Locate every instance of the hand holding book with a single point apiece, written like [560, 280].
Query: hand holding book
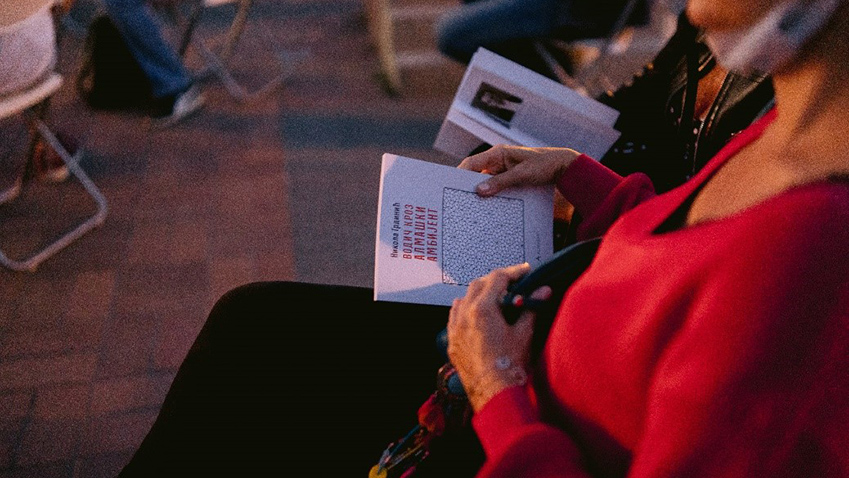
[435, 234]
[517, 166]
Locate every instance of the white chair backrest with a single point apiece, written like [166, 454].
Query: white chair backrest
[13, 11]
[18, 102]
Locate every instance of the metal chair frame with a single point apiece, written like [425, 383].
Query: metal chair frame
[30, 104]
[217, 62]
[595, 70]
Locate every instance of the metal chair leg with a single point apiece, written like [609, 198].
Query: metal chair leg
[236, 29]
[31, 264]
[217, 61]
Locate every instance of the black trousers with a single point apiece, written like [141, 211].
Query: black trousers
[288, 379]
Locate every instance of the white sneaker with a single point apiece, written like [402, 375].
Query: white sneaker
[186, 104]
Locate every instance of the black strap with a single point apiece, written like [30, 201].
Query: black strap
[688, 110]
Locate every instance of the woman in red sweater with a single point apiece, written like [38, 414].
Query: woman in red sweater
[710, 336]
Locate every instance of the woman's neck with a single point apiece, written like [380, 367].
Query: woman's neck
[807, 142]
[812, 97]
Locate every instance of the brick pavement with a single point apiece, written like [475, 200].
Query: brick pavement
[90, 343]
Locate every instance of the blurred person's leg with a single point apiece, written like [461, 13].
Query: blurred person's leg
[289, 377]
[492, 24]
[143, 35]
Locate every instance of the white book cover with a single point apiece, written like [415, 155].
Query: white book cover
[435, 234]
[501, 99]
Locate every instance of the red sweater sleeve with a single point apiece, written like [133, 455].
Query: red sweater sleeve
[518, 444]
[600, 195]
[752, 382]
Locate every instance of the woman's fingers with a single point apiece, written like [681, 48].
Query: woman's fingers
[516, 272]
[491, 160]
[517, 166]
[487, 292]
[494, 185]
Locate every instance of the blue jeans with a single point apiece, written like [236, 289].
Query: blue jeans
[158, 60]
[501, 25]
[491, 22]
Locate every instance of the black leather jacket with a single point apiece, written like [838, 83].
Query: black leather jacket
[659, 137]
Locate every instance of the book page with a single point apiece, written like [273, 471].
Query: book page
[496, 109]
[460, 135]
[541, 86]
[435, 234]
[555, 129]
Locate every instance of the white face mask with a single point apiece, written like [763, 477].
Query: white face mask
[774, 40]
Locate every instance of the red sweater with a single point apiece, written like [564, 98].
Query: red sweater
[716, 350]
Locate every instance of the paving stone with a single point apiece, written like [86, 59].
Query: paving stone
[127, 345]
[160, 287]
[15, 405]
[33, 372]
[101, 466]
[188, 243]
[227, 273]
[40, 308]
[8, 442]
[129, 393]
[16, 345]
[116, 433]
[50, 470]
[49, 441]
[176, 337]
[91, 295]
[62, 403]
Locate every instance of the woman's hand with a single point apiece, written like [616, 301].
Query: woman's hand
[519, 166]
[489, 354]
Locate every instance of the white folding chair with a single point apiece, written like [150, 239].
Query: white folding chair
[216, 62]
[26, 103]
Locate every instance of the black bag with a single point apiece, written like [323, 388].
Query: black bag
[111, 78]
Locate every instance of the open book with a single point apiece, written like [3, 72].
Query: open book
[501, 102]
[435, 234]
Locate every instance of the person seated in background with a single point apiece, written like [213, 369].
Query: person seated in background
[676, 115]
[172, 86]
[27, 56]
[681, 110]
[707, 338]
[510, 27]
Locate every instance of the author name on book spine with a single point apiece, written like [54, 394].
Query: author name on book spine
[415, 233]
